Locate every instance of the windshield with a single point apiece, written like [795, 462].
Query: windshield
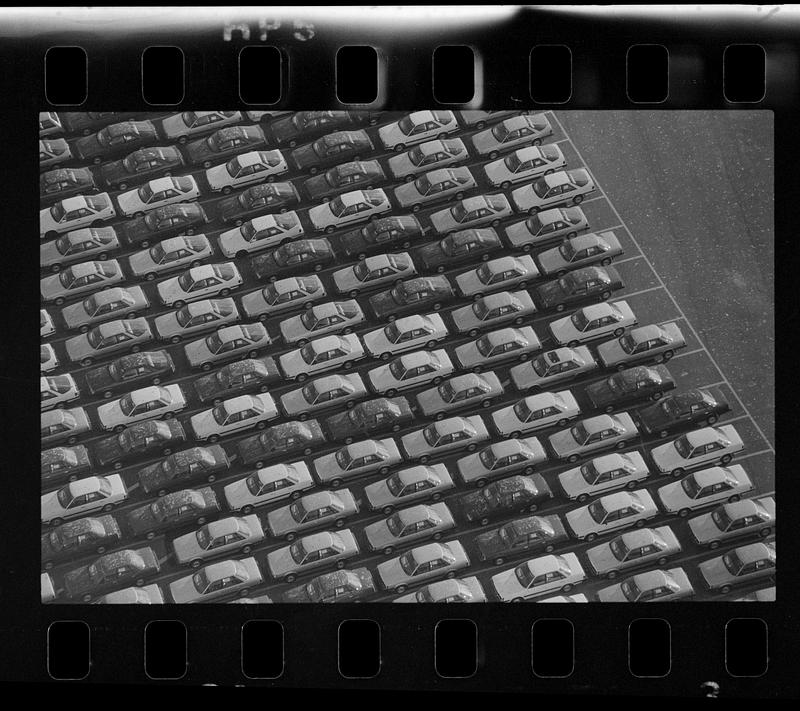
[407, 563]
[396, 369]
[522, 411]
[253, 484]
[500, 132]
[416, 156]
[689, 485]
[627, 343]
[579, 320]
[540, 188]
[618, 548]
[597, 512]
[589, 473]
[682, 447]
[394, 525]
[337, 207]
[203, 539]
[524, 575]
[579, 433]
[343, 458]
[487, 458]
[406, 125]
[512, 162]
[484, 273]
[200, 581]
[186, 281]
[423, 184]
[721, 519]
[539, 366]
[126, 404]
[732, 562]
[307, 353]
[567, 251]
[394, 485]
[447, 392]
[57, 212]
[484, 346]
[630, 590]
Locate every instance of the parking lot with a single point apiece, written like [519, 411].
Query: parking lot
[728, 340]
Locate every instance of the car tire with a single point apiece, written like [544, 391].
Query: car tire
[480, 483]
[532, 508]
[604, 296]
[313, 170]
[87, 361]
[401, 589]
[573, 458]
[505, 185]
[577, 200]
[348, 365]
[657, 395]
[353, 293]
[711, 419]
[341, 564]
[391, 392]
[213, 438]
[590, 537]
[399, 147]
[290, 578]
[582, 498]
[611, 574]
[622, 444]
[336, 483]
[725, 459]
[473, 332]
[87, 598]
[725, 589]
[618, 332]
[472, 447]
[196, 563]
[486, 403]
[533, 210]
[205, 366]
[477, 295]
[424, 459]
[499, 561]
[484, 521]
[477, 368]
[439, 416]
[290, 536]
[119, 428]
[668, 355]
[56, 521]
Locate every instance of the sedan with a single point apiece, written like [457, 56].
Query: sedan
[224, 143]
[65, 463]
[608, 513]
[181, 508]
[457, 248]
[380, 414]
[74, 212]
[79, 279]
[546, 227]
[523, 535]
[308, 124]
[184, 466]
[413, 484]
[283, 295]
[525, 164]
[740, 518]
[653, 342]
[258, 200]
[632, 549]
[195, 318]
[652, 586]
[443, 436]
[410, 370]
[240, 376]
[267, 486]
[262, 232]
[319, 320]
[356, 460]
[229, 342]
[178, 127]
[321, 354]
[493, 309]
[536, 412]
[337, 586]
[246, 169]
[426, 562]
[158, 193]
[412, 295]
[500, 458]
[316, 510]
[417, 127]
[593, 433]
[405, 334]
[536, 577]
[459, 392]
[372, 272]
[638, 383]
[399, 230]
[603, 474]
[74, 539]
[501, 273]
[53, 152]
[49, 123]
[551, 367]
[82, 497]
[170, 254]
[427, 156]
[217, 580]
[78, 245]
[349, 208]
[146, 163]
[410, 525]
[57, 390]
[498, 346]
[704, 488]
[322, 393]
[317, 550]
[281, 440]
[592, 322]
[163, 222]
[565, 186]
[688, 408]
[86, 122]
[61, 183]
[111, 570]
[199, 282]
[224, 536]
[148, 403]
[585, 284]
[109, 338]
[301, 256]
[474, 119]
[151, 437]
[513, 132]
[331, 149]
[433, 186]
[580, 251]
[744, 564]
[114, 140]
[695, 448]
[46, 326]
[64, 425]
[514, 494]
[354, 175]
[450, 590]
[472, 212]
[233, 415]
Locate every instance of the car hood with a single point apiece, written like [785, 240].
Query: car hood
[305, 156]
[550, 293]
[383, 302]
[484, 141]
[563, 442]
[107, 450]
[474, 505]
[714, 572]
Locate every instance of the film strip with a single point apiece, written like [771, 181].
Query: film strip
[468, 304]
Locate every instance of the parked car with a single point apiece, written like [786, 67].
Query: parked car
[57, 391]
[592, 322]
[284, 439]
[115, 303]
[65, 463]
[732, 520]
[142, 438]
[417, 127]
[705, 487]
[356, 460]
[498, 346]
[409, 370]
[226, 343]
[656, 342]
[450, 590]
[695, 406]
[53, 153]
[75, 212]
[60, 183]
[536, 412]
[283, 295]
[368, 418]
[349, 208]
[47, 358]
[82, 497]
[114, 140]
[651, 586]
[302, 256]
[413, 484]
[474, 119]
[550, 367]
[523, 494]
[521, 536]
[136, 369]
[593, 433]
[158, 193]
[169, 255]
[405, 334]
[180, 508]
[472, 212]
[86, 122]
[331, 149]
[632, 549]
[260, 233]
[199, 282]
[695, 448]
[638, 383]
[258, 200]
[444, 435]
[182, 467]
[538, 576]
[195, 318]
[180, 126]
[604, 474]
[585, 284]
[217, 580]
[427, 156]
[318, 509]
[499, 458]
[546, 227]
[322, 319]
[412, 295]
[512, 132]
[608, 513]
[580, 251]
[230, 535]
[80, 279]
[141, 165]
[382, 233]
[372, 272]
[64, 425]
[524, 164]
[561, 188]
[323, 393]
[154, 401]
[233, 415]
[408, 526]
[163, 222]
[267, 486]
[434, 186]
[48, 589]
[745, 564]
[493, 309]
[501, 273]
[235, 378]
[224, 143]
[458, 392]
[111, 570]
[337, 586]
[314, 551]
[301, 125]
[355, 174]
[46, 326]
[320, 355]
[421, 564]
[73, 539]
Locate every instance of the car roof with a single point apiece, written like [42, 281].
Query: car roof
[118, 559]
[511, 484]
[159, 184]
[224, 526]
[381, 260]
[417, 358]
[451, 425]
[84, 268]
[223, 569]
[528, 153]
[330, 308]
[326, 343]
[744, 507]
[512, 123]
[148, 394]
[646, 333]
[618, 500]
[79, 487]
[652, 579]
[320, 499]
[507, 447]
[282, 286]
[439, 175]
[544, 564]
[413, 322]
[184, 496]
[74, 203]
[414, 514]
[239, 403]
[135, 360]
[428, 552]
[503, 263]
[753, 552]
[475, 202]
[229, 333]
[500, 298]
[324, 539]
[703, 436]
[639, 537]
[329, 382]
[605, 462]
[447, 588]
[707, 477]
[600, 422]
[593, 311]
[467, 380]
[502, 335]
[250, 158]
[418, 473]
[89, 524]
[522, 526]
[364, 448]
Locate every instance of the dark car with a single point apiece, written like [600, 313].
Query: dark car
[382, 233]
[60, 463]
[281, 440]
[64, 182]
[141, 165]
[110, 571]
[458, 248]
[129, 372]
[306, 125]
[379, 415]
[355, 175]
[520, 493]
[264, 199]
[683, 409]
[75, 538]
[114, 140]
[141, 438]
[179, 468]
[86, 122]
[638, 383]
[302, 256]
[412, 296]
[525, 535]
[235, 378]
[225, 142]
[331, 149]
[180, 508]
[163, 222]
[575, 287]
[337, 586]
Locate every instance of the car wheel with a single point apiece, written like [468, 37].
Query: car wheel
[514, 435]
[477, 369]
[725, 459]
[296, 495]
[611, 574]
[261, 425]
[56, 521]
[493, 154]
[306, 451]
[336, 483]
[400, 147]
[400, 589]
[196, 563]
[577, 200]
[590, 537]
[533, 210]
[477, 295]
[605, 296]
[733, 499]
[505, 185]
[499, 561]
[341, 564]
[205, 366]
[119, 428]
[424, 459]
[313, 170]
[472, 447]
[725, 589]
[484, 521]
[582, 498]
[303, 416]
[290, 578]
[87, 598]
[549, 548]
[178, 304]
[348, 365]
[135, 349]
[481, 482]
[213, 438]
[572, 458]
[391, 392]
[473, 332]
[161, 492]
[531, 508]
[87, 361]
[290, 536]
[330, 229]
[486, 403]
[246, 510]
[451, 575]
[527, 247]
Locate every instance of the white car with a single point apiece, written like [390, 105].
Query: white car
[82, 497]
[47, 358]
[739, 518]
[324, 392]
[157, 193]
[321, 354]
[80, 279]
[357, 459]
[217, 580]
[434, 185]
[621, 509]
[592, 322]
[500, 273]
[417, 127]
[424, 482]
[329, 509]
[426, 156]
[593, 433]
[451, 590]
[525, 454]
[283, 295]
[321, 319]
[632, 549]
[268, 485]
[695, 448]
[409, 525]
[603, 474]
[233, 415]
[460, 391]
[57, 390]
[74, 212]
[552, 367]
[579, 251]
[578, 597]
[145, 595]
[170, 254]
[231, 535]
[311, 552]
[405, 334]
[246, 169]
[410, 370]
[195, 317]
[77, 246]
[547, 226]
[443, 436]
[493, 309]
[114, 303]
[46, 326]
[261, 232]
[155, 401]
[536, 412]
[512, 132]
[502, 344]
[49, 123]
[348, 209]
[565, 186]
[430, 561]
[374, 271]
[198, 283]
[472, 212]
[192, 123]
[705, 488]
[525, 164]
[549, 573]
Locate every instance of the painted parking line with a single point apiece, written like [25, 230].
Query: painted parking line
[668, 292]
